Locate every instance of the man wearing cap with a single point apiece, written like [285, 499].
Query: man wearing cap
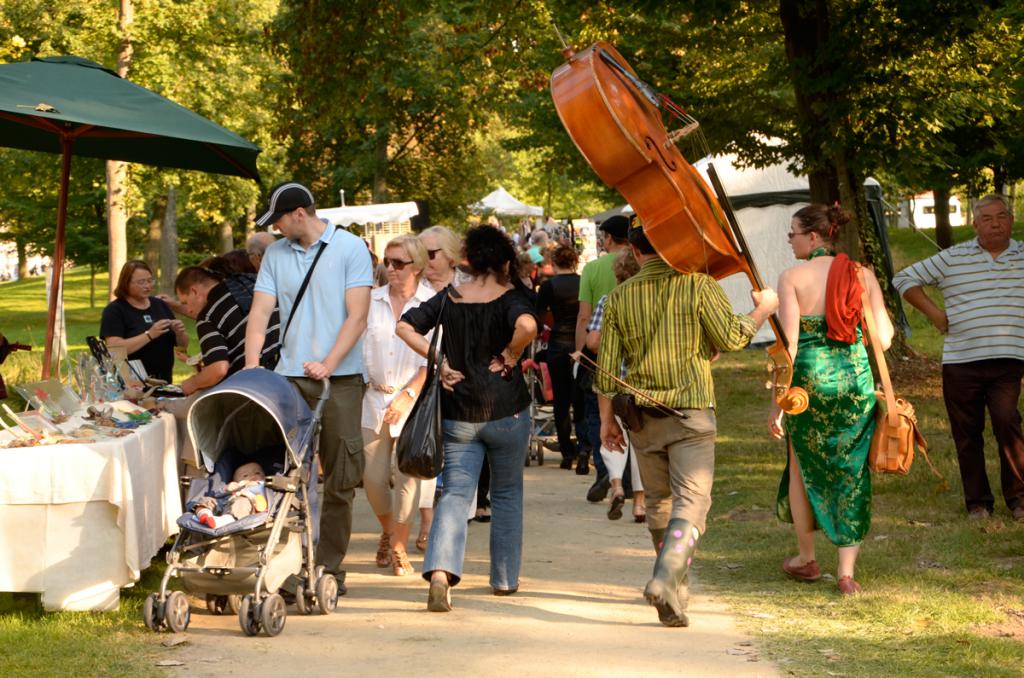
[321, 338]
[597, 280]
[667, 326]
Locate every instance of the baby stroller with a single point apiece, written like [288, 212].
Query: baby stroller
[542, 417]
[253, 416]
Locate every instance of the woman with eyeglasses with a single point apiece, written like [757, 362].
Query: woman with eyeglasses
[444, 249]
[143, 324]
[396, 376]
[826, 482]
[488, 322]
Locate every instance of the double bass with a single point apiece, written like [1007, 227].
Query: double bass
[615, 119]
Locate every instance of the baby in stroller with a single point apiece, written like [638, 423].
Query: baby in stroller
[243, 496]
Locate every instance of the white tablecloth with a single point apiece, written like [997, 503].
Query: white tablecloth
[78, 522]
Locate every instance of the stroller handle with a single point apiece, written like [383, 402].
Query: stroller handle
[325, 392]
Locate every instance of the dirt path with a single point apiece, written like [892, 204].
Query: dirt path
[580, 611]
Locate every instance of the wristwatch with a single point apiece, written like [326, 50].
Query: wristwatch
[411, 391]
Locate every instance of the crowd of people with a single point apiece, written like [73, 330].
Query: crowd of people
[628, 343]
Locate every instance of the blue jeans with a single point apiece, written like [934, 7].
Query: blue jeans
[504, 443]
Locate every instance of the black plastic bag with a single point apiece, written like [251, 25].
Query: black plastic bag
[420, 447]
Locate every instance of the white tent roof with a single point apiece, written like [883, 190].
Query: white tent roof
[369, 214]
[501, 201]
[764, 201]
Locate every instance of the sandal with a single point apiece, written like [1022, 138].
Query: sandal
[809, 571]
[847, 586]
[641, 515]
[400, 564]
[384, 550]
[421, 543]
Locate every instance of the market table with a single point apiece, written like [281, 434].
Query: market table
[80, 521]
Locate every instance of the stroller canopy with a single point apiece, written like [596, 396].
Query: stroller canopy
[250, 410]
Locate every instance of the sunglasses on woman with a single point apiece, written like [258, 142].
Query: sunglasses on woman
[433, 253]
[397, 264]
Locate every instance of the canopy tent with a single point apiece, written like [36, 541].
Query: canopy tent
[501, 202]
[346, 215]
[70, 105]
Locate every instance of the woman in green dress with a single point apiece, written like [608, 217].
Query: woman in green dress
[827, 483]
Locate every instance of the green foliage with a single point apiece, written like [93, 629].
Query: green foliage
[210, 57]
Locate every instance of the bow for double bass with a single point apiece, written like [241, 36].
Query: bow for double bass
[615, 120]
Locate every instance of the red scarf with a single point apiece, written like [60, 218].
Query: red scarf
[843, 305]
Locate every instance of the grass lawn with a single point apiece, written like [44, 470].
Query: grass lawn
[942, 597]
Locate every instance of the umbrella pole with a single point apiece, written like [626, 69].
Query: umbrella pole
[57, 264]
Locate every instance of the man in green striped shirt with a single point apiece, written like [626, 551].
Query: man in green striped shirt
[667, 326]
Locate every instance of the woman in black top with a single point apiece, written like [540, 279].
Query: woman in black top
[487, 323]
[144, 325]
[561, 294]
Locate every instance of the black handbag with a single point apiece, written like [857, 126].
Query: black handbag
[420, 447]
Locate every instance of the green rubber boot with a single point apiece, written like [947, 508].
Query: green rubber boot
[656, 537]
[671, 571]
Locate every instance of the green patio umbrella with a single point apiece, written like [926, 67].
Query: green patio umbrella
[73, 106]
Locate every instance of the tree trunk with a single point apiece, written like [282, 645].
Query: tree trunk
[807, 27]
[156, 222]
[169, 244]
[117, 217]
[999, 178]
[19, 245]
[250, 222]
[380, 170]
[227, 237]
[943, 231]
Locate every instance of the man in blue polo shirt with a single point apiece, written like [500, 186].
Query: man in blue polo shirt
[321, 338]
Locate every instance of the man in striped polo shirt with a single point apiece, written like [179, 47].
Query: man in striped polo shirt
[982, 283]
[220, 306]
[667, 327]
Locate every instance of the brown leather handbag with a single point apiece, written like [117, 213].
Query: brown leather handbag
[896, 434]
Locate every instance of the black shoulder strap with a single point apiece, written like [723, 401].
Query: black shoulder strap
[302, 289]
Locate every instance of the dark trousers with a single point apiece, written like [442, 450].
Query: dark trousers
[968, 389]
[568, 403]
[341, 455]
[593, 422]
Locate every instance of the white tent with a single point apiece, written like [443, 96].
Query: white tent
[384, 213]
[764, 201]
[501, 202]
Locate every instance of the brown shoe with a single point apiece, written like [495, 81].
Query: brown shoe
[979, 513]
[384, 550]
[1018, 513]
[847, 586]
[400, 564]
[807, 572]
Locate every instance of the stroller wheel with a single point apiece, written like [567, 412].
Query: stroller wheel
[302, 604]
[273, 614]
[216, 604]
[234, 603]
[152, 614]
[327, 593]
[540, 453]
[247, 617]
[176, 612]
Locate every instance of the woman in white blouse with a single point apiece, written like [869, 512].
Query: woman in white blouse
[396, 376]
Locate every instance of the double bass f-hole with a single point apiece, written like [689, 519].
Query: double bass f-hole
[653, 145]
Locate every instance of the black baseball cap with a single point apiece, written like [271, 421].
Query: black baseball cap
[616, 226]
[285, 197]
